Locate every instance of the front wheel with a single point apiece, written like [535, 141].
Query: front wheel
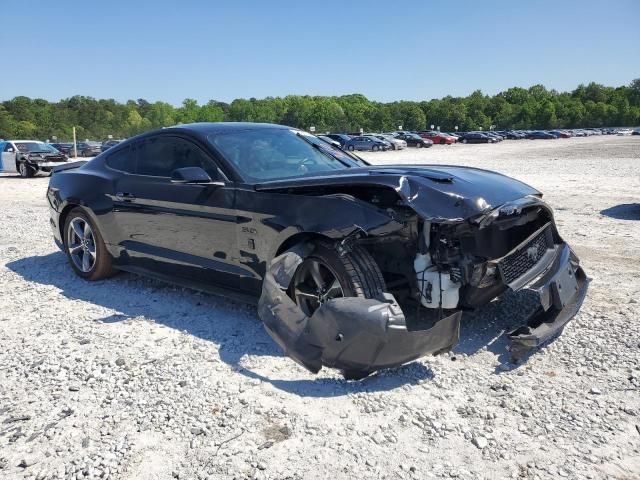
[351, 148]
[375, 148]
[85, 247]
[464, 140]
[25, 170]
[419, 145]
[325, 275]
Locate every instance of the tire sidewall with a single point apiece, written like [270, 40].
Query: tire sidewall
[25, 170]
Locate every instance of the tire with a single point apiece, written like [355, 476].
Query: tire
[25, 170]
[375, 148]
[443, 142]
[101, 266]
[357, 273]
[351, 148]
[464, 140]
[419, 145]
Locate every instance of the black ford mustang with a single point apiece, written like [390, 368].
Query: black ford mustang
[353, 266]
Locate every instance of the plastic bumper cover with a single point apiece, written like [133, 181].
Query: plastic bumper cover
[350, 334]
[560, 290]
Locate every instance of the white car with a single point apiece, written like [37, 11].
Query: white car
[624, 131]
[28, 157]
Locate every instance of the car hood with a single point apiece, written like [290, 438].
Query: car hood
[438, 193]
[42, 155]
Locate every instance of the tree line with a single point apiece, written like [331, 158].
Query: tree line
[537, 107]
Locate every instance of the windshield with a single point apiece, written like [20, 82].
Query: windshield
[32, 147]
[270, 154]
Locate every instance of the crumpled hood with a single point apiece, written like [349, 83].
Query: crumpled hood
[35, 156]
[437, 193]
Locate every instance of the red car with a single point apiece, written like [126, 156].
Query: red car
[438, 137]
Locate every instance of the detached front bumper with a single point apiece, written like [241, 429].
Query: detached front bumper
[351, 334]
[560, 289]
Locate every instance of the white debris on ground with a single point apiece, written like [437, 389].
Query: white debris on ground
[131, 378]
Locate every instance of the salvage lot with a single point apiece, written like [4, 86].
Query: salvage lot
[130, 378]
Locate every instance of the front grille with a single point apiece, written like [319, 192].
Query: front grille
[516, 264]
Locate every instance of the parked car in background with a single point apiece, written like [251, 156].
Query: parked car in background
[438, 138]
[108, 144]
[29, 157]
[561, 133]
[330, 141]
[475, 137]
[87, 149]
[394, 143]
[413, 139]
[366, 143]
[541, 135]
[624, 131]
[341, 138]
[496, 136]
[63, 147]
[636, 132]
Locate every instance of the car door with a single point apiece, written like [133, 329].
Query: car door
[183, 230]
[8, 158]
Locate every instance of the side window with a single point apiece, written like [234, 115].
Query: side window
[122, 160]
[159, 156]
[8, 147]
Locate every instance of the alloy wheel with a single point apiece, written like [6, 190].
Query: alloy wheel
[314, 284]
[81, 244]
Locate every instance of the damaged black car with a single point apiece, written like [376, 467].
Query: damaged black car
[353, 266]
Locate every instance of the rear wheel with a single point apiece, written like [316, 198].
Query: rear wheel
[85, 247]
[464, 140]
[419, 144]
[375, 148]
[351, 148]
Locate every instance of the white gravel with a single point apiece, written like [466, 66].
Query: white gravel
[131, 378]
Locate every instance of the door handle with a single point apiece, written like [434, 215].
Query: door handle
[125, 197]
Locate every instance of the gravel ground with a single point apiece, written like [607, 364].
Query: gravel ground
[131, 378]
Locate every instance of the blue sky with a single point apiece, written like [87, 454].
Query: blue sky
[387, 50]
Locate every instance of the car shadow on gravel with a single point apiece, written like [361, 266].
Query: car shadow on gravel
[624, 211]
[232, 326]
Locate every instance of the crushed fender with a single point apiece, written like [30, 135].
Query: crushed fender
[350, 334]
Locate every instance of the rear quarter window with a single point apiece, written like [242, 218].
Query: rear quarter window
[122, 160]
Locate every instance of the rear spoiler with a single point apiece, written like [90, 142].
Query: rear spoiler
[69, 166]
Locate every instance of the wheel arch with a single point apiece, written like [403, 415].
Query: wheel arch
[297, 238]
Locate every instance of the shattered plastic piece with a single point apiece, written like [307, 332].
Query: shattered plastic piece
[348, 333]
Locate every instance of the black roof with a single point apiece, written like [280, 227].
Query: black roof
[208, 128]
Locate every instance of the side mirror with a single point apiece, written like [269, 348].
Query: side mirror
[10, 150]
[191, 175]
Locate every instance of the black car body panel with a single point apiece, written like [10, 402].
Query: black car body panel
[245, 239]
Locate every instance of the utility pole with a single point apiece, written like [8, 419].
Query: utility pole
[75, 145]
